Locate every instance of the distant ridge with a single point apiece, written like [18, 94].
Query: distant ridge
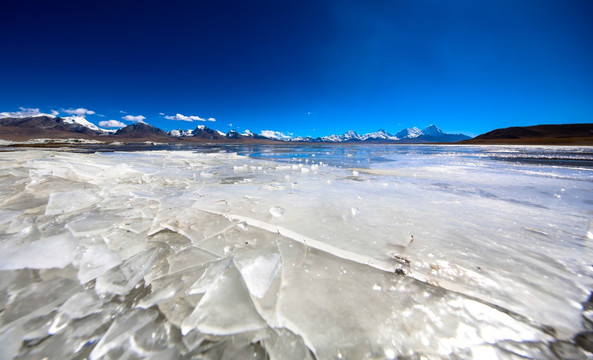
[53, 127]
[410, 135]
[50, 123]
[564, 134]
[48, 126]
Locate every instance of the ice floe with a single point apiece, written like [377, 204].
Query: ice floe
[361, 252]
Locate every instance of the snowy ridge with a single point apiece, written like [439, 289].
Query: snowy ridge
[181, 133]
[81, 120]
[430, 133]
[382, 135]
[410, 133]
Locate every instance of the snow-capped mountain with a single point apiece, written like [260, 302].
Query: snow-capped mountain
[410, 133]
[33, 117]
[80, 125]
[432, 130]
[181, 133]
[49, 122]
[80, 120]
[429, 134]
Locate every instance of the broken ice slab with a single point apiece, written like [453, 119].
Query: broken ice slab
[29, 203]
[225, 309]
[125, 243]
[38, 299]
[189, 257]
[136, 225]
[121, 279]
[122, 329]
[214, 270]
[54, 251]
[92, 224]
[153, 337]
[284, 345]
[165, 291]
[8, 215]
[193, 339]
[374, 312]
[259, 272]
[81, 304]
[95, 261]
[10, 342]
[37, 327]
[190, 222]
[69, 201]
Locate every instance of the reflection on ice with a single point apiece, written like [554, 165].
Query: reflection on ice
[297, 252]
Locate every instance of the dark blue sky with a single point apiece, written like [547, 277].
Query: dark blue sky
[308, 67]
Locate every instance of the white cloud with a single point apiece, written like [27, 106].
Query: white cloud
[137, 118]
[26, 112]
[162, 114]
[55, 112]
[123, 112]
[112, 124]
[78, 112]
[231, 125]
[181, 117]
[211, 119]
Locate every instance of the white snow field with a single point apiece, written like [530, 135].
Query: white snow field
[297, 252]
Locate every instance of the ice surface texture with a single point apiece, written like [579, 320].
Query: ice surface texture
[387, 252]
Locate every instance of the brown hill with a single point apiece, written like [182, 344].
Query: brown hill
[43, 127]
[566, 134]
[142, 131]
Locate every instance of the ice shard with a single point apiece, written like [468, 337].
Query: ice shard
[226, 308]
[68, 201]
[259, 272]
[121, 279]
[54, 251]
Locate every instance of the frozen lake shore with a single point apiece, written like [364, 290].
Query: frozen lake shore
[295, 252]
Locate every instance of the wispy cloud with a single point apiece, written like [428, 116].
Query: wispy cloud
[78, 112]
[181, 117]
[26, 112]
[162, 114]
[112, 124]
[135, 118]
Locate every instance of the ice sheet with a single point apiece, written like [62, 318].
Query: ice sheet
[297, 252]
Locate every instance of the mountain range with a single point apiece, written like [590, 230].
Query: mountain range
[77, 126]
[53, 127]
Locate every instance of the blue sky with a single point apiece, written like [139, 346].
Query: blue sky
[307, 67]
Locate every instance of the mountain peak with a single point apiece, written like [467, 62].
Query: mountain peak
[432, 130]
[140, 130]
[409, 133]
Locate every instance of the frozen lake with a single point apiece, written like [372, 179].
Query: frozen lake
[297, 252]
